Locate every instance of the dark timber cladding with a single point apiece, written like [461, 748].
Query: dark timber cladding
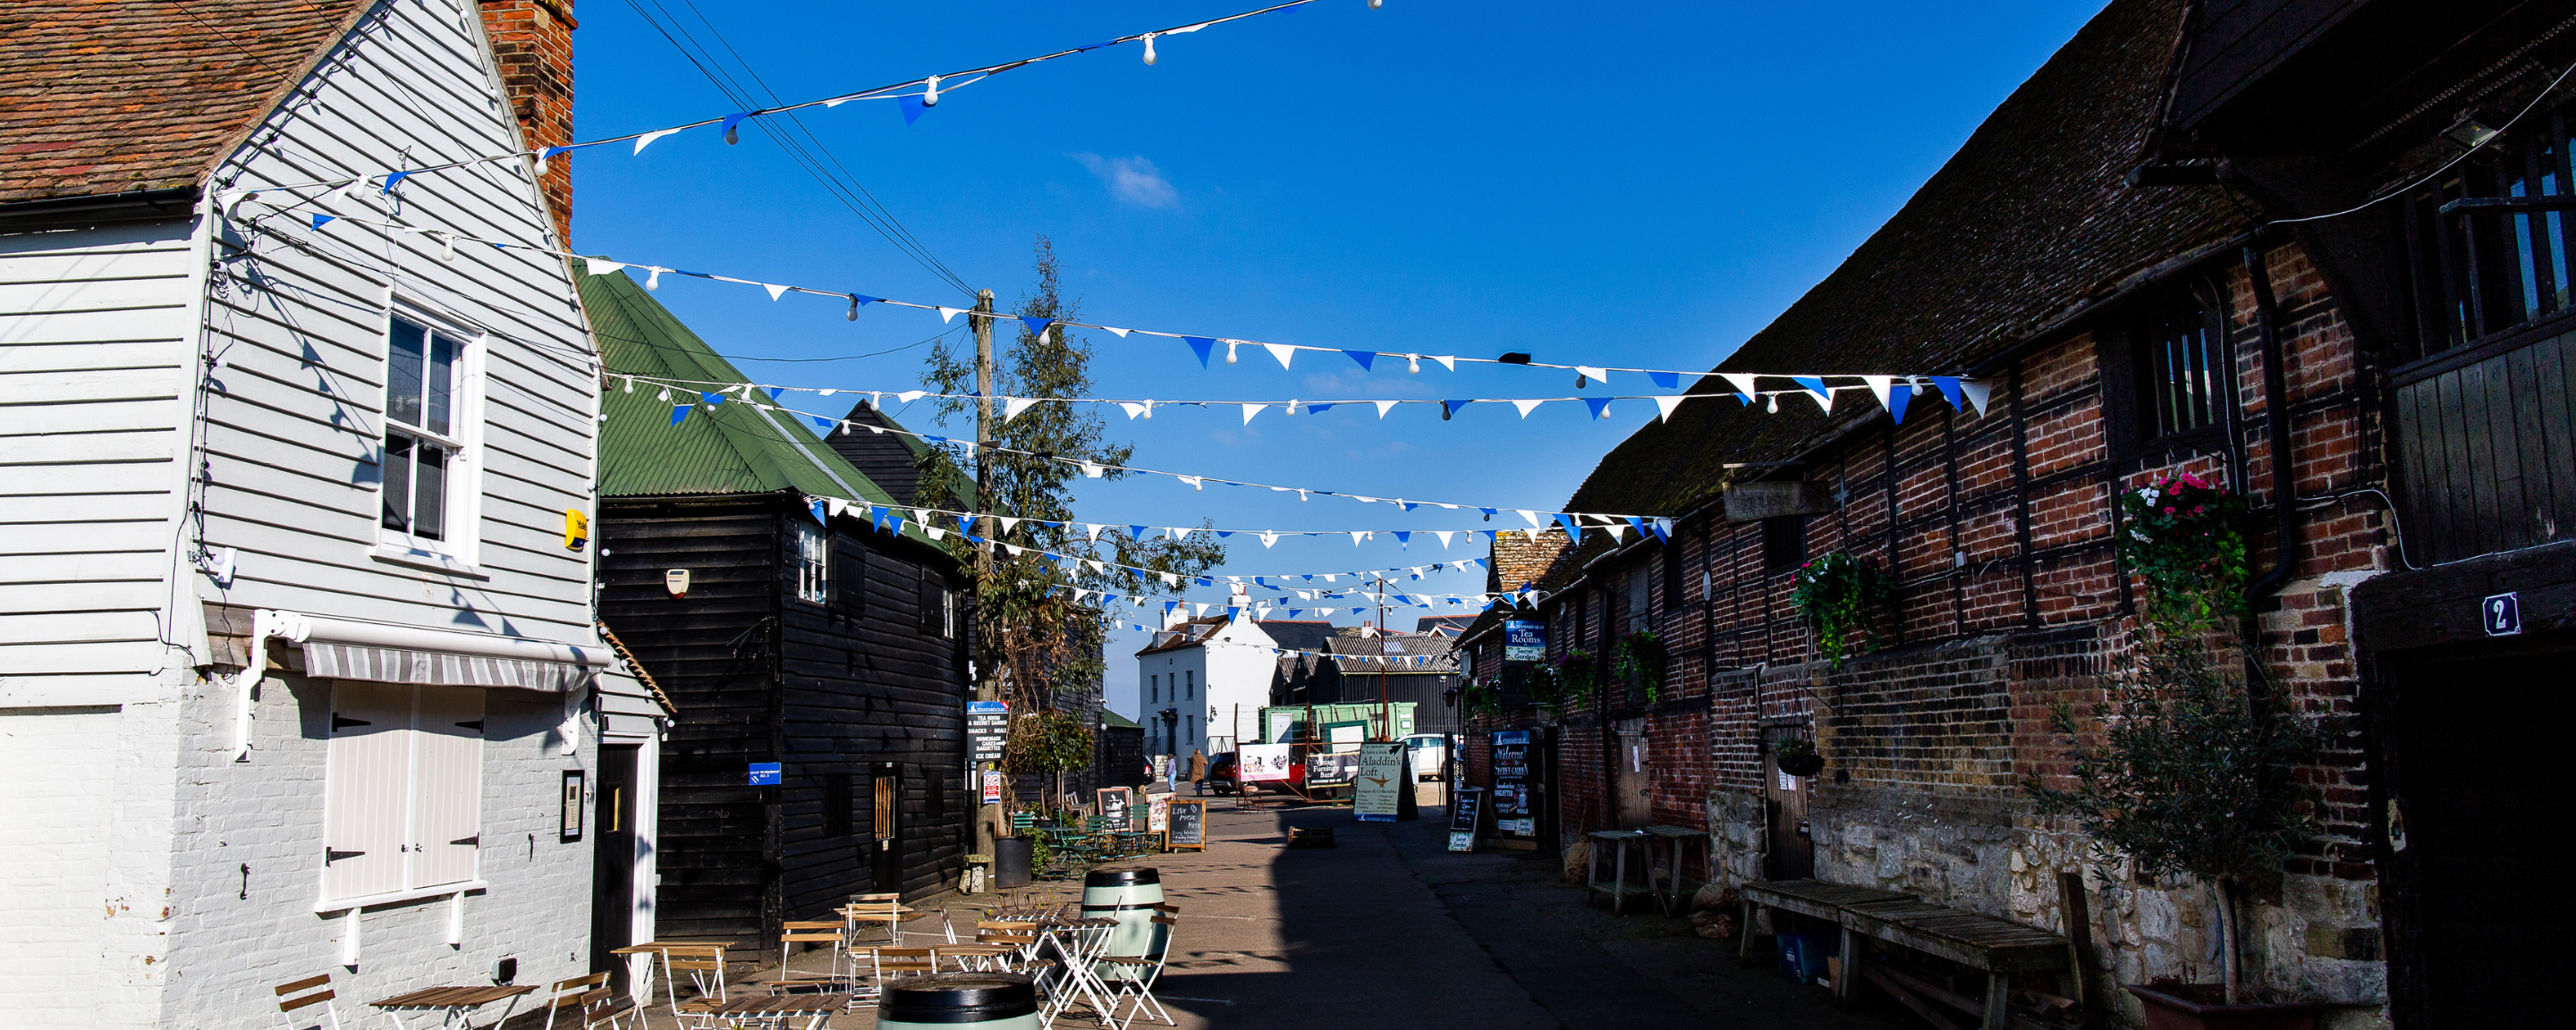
[819, 641]
[833, 692]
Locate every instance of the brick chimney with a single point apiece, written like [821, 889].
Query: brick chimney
[533, 40]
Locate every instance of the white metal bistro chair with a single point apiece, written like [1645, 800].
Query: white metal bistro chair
[1078, 944]
[703, 966]
[320, 986]
[591, 1001]
[1147, 969]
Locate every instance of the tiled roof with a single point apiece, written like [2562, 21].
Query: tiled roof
[1352, 654]
[106, 97]
[1192, 633]
[1298, 634]
[2030, 219]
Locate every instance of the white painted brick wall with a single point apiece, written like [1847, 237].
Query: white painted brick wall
[227, 953]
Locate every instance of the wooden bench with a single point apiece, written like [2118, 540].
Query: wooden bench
[1813, 898]
[1998, 947]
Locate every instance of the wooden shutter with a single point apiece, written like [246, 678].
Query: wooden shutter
[366, 788]
[447, 786]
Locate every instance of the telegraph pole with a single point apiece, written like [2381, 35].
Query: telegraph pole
[988, 683]
[1385, 714]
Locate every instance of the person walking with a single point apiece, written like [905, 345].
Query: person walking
[1198, 772]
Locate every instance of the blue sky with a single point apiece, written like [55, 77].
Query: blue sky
[1637, 184]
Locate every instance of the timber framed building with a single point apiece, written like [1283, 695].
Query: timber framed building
[2112, 251]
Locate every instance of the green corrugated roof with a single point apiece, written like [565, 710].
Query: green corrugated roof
[1116, 721]
[734, 448]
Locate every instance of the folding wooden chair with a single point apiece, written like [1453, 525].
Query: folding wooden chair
[1023, 936]
[320, 986]
[832, 933]
[593, 1003]
[703, 966]
[896, 963]
[1149, 969]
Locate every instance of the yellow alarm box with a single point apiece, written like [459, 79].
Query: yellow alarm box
[576, 529]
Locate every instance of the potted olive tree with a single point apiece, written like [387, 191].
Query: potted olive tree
[2190, 770]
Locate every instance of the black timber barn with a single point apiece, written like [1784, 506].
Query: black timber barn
[807, 635]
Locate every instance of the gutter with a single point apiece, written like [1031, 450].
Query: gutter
[99, 208]
[2276, 425]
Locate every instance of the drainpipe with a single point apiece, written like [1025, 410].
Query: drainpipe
[2276, 424]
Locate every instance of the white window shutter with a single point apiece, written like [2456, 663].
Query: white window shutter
[366, 788]
[447, 786]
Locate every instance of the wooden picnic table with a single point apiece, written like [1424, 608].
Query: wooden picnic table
[449, 1002]
[1675, 839]
[1618, 843]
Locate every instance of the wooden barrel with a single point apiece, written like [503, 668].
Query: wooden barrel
[948, 1001]
[1128, 896]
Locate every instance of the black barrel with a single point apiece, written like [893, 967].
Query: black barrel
[1010, 862]
[997, 1001]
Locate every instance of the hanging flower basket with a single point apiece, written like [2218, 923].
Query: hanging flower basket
[1797, 757]
[1839, 594]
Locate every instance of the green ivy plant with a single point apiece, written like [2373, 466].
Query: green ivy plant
[1641, 655]
[1574, 674]
[1542, 683]
[1838, 593]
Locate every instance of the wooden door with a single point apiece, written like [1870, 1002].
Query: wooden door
[612, 867]
[887, 825]
[2476, 836]
[1631, 785]
[1792, 854]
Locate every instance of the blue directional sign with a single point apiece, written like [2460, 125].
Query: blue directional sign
[764, 774]
[2502, 614]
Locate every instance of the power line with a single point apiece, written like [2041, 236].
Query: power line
[841, 185]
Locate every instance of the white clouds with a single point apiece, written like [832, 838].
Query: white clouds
[1134, 180]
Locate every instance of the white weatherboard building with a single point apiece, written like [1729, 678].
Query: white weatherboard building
[297, 669]
[1201, 685]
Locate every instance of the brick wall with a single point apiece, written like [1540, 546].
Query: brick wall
[229, 950]
[532, 39]
[1997, 524]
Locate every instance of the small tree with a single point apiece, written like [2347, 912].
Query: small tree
[1048, 742]
[2193, 769]
[1031, 637]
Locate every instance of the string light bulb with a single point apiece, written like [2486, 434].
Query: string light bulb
[1375, 4]
[630, 384]
[1229, 352]
[930, 96]
[1149, 48]
[853, 316]
[1413, 364]
[1774, 406]
[653, 281]
[447, 246]
[1581, 381]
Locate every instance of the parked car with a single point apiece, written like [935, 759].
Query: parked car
[1220, 774]
[1429, 755]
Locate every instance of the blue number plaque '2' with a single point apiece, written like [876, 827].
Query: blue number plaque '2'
[2502, 614]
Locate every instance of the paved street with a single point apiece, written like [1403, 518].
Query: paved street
[1391, 927]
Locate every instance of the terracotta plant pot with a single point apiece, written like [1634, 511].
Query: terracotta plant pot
[2198, 1007]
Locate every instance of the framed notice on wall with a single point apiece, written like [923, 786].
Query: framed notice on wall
[572, 803]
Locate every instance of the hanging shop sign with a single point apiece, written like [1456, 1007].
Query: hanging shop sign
[1524, 641]
[988, 725]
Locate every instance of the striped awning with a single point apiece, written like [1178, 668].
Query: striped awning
[390, 653]
[448, 668]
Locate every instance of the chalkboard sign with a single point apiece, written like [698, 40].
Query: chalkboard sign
[1113, 807]
[1466, 809]
[1511, 757]
[1189, 826]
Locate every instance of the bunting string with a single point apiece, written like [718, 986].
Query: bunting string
[913, 97]
[1573, 522]
[1964, 394]
[1961, 392]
